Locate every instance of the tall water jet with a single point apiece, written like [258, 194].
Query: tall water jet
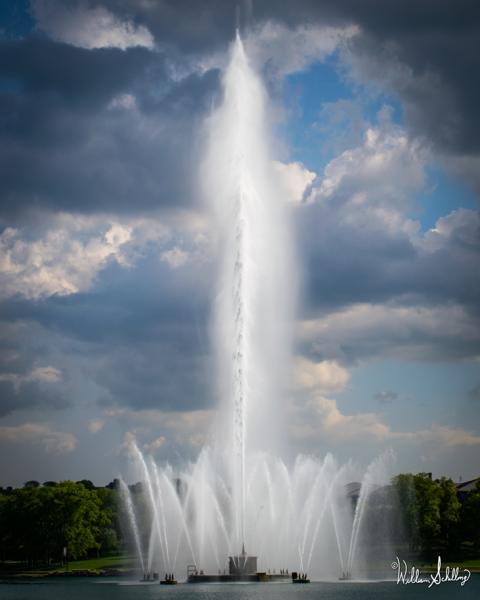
[252, 307]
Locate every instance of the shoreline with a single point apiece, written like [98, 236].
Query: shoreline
[25, 576]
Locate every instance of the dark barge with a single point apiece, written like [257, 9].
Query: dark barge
[241, 569]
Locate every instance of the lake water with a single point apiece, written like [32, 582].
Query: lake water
[101, 589]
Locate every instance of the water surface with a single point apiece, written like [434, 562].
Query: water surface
[102, 589]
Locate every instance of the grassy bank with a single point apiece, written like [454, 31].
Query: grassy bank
[473, 565]
[96, 564]
[99, 566]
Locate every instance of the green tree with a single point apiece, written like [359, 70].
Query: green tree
[89, 485]
[428, 506]
[406, 517]
[79, 518]
[109, 534]
[419, 500]
[450, 535]
[26, 524]
[470, 517]
[37, 522]
[3, 527]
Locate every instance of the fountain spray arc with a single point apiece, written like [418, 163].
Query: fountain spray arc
[256, 283]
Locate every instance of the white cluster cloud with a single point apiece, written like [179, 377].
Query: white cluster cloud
[317, 418]
[96, 425]
[128, 442]
[175, 257]
[155, 444]
[89, 26]
[64, 261]
[38, 374]
[46, 374]
[288, 50]
[283, 50]
[391, 330]
[323, 375]
[340, 426]
[461, 225]
[67, 258]
[54, 442]
[322, 417]
[123, 102]
[375, 180]
[296, 179]
[448, 436]
[187, 429]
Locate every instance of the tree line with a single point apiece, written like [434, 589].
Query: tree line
[432, 518]
[57, 522]
[50, 523]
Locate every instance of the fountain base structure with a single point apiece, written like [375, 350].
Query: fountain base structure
[241, 568]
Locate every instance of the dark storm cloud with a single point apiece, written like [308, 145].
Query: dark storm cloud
[474, 393]
[425, 52]
[437, 40]
[371, 264]
[161, 357]
[363, 268]
[28, 396]
[20, 388]
[81, 78]
[156, 375]
[63, 147]
[66, 145]
[430, 66]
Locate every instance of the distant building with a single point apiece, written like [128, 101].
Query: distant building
[352, 491]
[465, 487]
[242, 564]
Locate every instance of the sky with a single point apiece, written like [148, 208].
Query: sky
[107, 258]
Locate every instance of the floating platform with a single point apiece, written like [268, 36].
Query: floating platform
[241, 569]
[236, 578]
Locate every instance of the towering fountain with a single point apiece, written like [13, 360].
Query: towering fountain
[239, 494]
[255, 280]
